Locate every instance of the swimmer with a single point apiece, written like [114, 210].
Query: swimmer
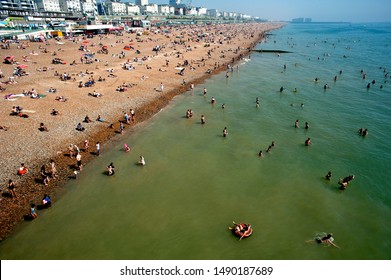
[141, 161]
[345, 181]
[225, 132]
[213, 101]
[297, 123]
[326, 239]
[307, 142]
[306, 125]
[202, 119]
[127, 149]
[328, 175]
[223, 106]
[110, 169]
[260, 154]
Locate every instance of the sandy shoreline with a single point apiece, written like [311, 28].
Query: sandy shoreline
[205, 48]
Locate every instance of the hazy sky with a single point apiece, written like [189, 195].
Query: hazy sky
[318, 10]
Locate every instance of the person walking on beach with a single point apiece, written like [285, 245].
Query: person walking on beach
[11, 188]
[86, 145]
[33, 213]
[97, 148]
[205, 90]
[133, 115]
[53, 169]
[78, 160]
[121, 127]
[71, 150]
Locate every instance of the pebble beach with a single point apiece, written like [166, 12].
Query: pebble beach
[132, 75]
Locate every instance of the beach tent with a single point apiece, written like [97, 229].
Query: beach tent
[22, 66]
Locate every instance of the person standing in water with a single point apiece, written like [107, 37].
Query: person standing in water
[225, 132]
[203, 119]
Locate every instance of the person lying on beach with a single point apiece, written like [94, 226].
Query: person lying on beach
[95, 94]
[61, 98]
[46, 201]
[3, 127]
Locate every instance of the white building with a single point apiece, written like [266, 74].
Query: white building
[213, 13]
[164, 9]
[89, 7]
[116, 8]
[27, 5]
[133, 9]
[202, 11]
[149, 9]
[73, 6]
[48, 5]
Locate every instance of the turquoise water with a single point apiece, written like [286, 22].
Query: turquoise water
[196, 182]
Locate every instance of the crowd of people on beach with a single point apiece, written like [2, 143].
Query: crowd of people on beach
[174, 49]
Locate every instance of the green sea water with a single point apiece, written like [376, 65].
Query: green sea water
[196, 182]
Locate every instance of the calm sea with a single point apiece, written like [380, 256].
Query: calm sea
[196, 182]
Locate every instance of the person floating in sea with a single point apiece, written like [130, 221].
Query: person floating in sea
[345, 181]
[363, 131]
[110, 169]
[324, 238]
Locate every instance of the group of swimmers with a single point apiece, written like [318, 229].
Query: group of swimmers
[260, 153]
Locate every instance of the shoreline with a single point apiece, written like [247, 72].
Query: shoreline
[29, 187]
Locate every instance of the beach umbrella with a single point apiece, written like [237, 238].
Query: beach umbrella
[85, 42]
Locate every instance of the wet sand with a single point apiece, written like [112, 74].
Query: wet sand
[207, 49]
